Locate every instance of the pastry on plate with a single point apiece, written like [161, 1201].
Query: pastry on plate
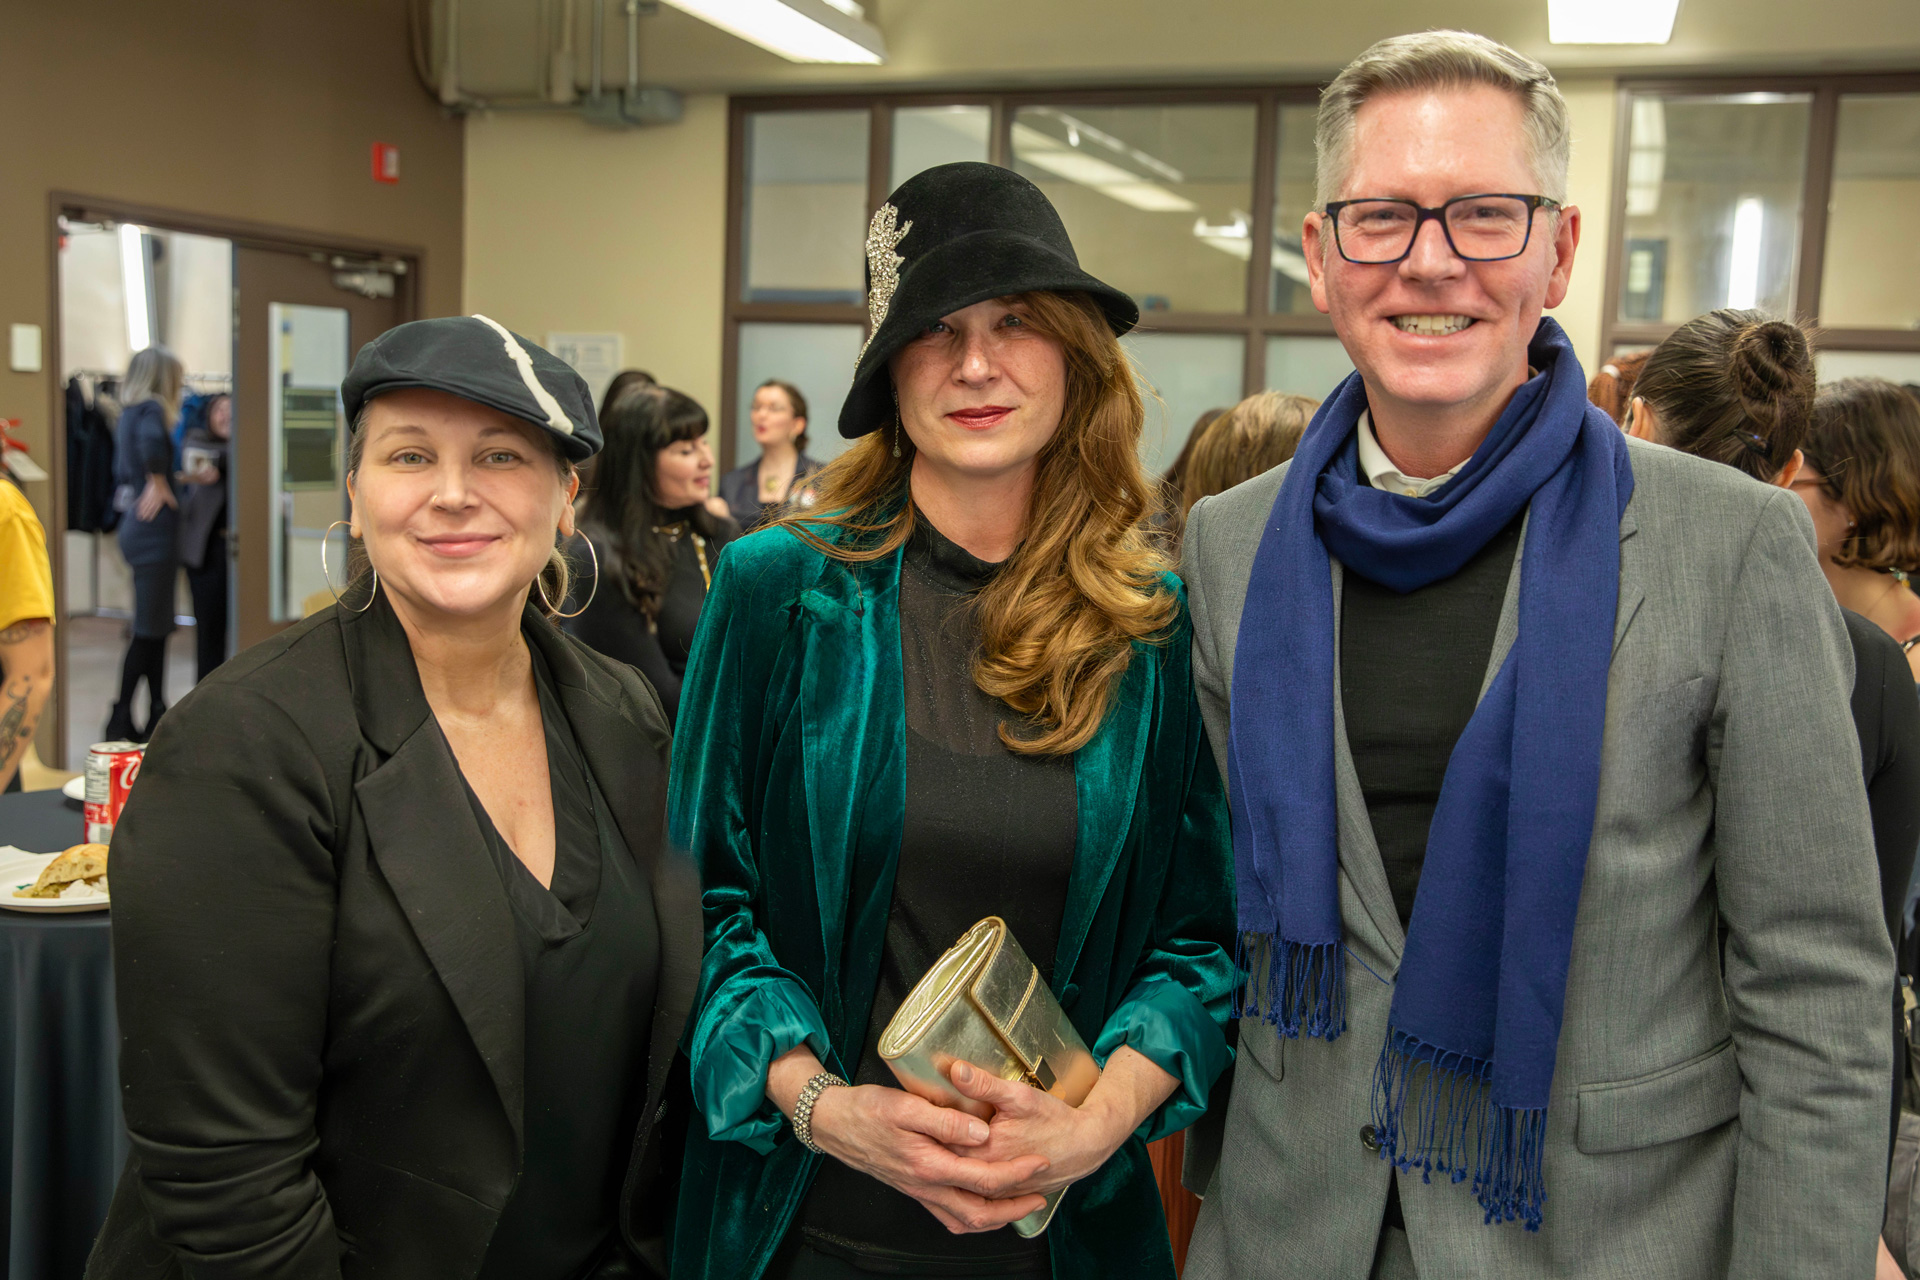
[84, 864]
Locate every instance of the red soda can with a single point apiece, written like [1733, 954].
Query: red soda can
[111, 770]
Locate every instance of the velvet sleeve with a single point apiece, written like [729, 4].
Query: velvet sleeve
[749, 1010]
[1177, 1007]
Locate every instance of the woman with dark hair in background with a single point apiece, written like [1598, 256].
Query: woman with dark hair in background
[621, 381]
[764, 488]
[203, 528]
[654, 534]
[1737, 387]
[1862, 484]
[149, 529]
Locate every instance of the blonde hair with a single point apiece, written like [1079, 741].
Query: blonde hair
[1442, 60]
[1059, 621]
[155, 373]
[1252, 438]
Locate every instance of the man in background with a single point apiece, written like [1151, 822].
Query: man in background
[26, 629]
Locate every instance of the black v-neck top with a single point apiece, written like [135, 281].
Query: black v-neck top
[590, 949]
[986, 832]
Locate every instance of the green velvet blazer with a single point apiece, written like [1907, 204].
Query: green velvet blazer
[789, 787]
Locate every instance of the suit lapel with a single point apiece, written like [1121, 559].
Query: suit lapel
[430, 849]
[852, 708]
[1632, 581]
[1116, 754]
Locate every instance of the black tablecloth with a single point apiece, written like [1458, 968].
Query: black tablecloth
[62, 1141]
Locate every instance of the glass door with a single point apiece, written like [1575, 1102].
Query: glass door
[297, 332]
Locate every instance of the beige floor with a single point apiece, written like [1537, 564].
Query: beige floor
[95, 648]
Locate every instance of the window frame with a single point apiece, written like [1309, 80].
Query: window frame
[1823, 129]
[1255, 323]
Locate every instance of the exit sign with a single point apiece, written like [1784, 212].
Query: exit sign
[386, 162]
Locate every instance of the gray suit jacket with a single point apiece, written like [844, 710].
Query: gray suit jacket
[1709, 1117]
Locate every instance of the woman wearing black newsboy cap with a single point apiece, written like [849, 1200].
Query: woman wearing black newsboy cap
[958, 686]
[401, 959]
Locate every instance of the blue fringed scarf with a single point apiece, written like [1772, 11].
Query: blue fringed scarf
[1464, 1078]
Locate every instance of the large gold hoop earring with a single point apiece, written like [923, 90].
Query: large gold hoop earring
[326, 575]
[541, 587]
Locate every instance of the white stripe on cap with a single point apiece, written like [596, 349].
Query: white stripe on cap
[556, 416]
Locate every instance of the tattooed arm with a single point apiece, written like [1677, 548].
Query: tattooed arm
[26, 681]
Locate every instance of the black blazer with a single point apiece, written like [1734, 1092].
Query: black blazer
[740, 490]
[319, 989]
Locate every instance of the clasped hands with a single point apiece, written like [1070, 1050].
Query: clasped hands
[979, 1175]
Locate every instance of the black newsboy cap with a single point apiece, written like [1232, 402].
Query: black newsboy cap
[949, 237]
[480, 360]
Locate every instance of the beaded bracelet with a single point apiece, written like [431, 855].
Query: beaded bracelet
[803, 1108]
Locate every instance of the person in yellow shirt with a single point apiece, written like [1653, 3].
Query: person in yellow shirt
[26, 629]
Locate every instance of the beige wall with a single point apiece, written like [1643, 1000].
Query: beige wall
[572, 227]
[1591, 105]
[228, 109]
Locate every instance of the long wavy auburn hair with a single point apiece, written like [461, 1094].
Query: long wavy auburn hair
[1058, 623]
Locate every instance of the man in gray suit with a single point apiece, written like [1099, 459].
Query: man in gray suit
[1554, 865]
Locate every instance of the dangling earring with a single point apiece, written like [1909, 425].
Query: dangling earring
[541, 587]
[327, 576]
[896, 434]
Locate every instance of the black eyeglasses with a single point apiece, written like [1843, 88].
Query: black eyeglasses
[1479, 228]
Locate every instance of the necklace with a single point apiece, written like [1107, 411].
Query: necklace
[673, 532]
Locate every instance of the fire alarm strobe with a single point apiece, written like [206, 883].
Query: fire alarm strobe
[386, 162]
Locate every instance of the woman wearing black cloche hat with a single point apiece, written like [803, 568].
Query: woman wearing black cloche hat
[957, 687]
[401, 957]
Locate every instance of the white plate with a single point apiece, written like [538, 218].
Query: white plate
[75, 788]
[20, 869]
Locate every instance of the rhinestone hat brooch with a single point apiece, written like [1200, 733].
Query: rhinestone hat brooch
[883, 268]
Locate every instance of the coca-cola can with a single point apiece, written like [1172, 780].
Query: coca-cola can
[111, 770]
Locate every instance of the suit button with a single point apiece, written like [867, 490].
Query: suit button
[1368, 1138]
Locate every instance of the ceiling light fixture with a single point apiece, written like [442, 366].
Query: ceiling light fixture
[133, 283]
[797, 30]
[1617, 22]
[1056, 157]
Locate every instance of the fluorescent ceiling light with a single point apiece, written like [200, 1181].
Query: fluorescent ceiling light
[133, 283]
[1743, 259]
[797, 30]
[1616, 22]
[1061, 160]
[1236, 238]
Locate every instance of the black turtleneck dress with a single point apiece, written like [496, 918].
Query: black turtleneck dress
[986, 832]
[657, 648]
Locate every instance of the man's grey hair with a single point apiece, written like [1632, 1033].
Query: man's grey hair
[1442, 60]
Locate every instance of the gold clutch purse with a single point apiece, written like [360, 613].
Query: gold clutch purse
[983, 1002]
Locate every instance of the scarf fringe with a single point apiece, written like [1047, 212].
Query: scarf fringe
[1454, 1128]
[1304, 984]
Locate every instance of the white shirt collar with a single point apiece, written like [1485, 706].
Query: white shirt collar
[1382, 474]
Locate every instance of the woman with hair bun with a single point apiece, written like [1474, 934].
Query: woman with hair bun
[960, 686]
[654, 536]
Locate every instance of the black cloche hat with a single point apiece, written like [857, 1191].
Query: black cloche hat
[949, 237]
[480, 360]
